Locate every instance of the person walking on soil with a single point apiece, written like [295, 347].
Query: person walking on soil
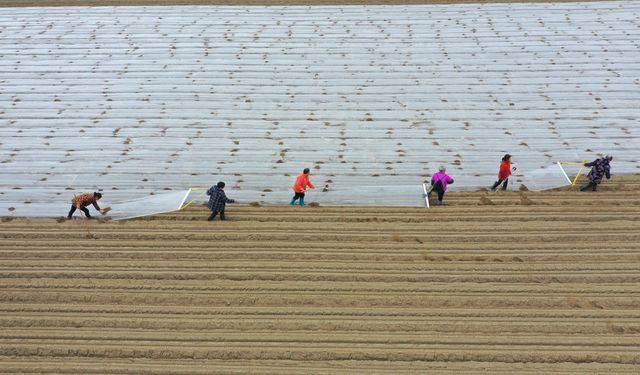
[504, 173]
[217, 200]
[300, 187]
[599, 168]
[82, 201]
[439, 183]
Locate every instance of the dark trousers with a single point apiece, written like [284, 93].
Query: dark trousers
[214, 213]
[296, 196]
[593, 185]
[504, 184]
[438, 189]
[83, 209]
[440, 195]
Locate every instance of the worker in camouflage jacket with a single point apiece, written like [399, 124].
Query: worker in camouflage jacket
[217, 200]
[599, 168]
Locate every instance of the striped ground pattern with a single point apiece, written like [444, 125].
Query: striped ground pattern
[513, 283]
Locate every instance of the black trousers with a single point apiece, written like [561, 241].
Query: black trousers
[592, 185]
[214, 213]
[504, 184]
[297, 195]
[83, 209]
[438, 189]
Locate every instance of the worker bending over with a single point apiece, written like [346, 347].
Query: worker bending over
[82, 201]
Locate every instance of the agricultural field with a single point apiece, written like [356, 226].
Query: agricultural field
[514, 282]
[141, 101]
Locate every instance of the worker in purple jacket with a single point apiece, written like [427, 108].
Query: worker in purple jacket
[439, 183]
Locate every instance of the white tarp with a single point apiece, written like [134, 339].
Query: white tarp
[149, 205]
[550, 177]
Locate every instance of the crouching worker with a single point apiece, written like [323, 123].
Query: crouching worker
[300, 187]
[599, 168]
[439, 183]
[217, 200]
[82, 201]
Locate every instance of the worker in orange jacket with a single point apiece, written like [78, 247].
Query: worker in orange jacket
[300, 187]
[504, 173]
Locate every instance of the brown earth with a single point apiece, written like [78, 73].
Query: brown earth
[533, 283]
[50, 3]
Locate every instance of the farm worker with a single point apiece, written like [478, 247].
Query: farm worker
[217, 200]
[599, 168]
[82, 201]
[439, 183]
[300, 187]
[504, 173]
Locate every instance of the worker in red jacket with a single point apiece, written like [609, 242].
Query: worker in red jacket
[300, 187]
[504, 173]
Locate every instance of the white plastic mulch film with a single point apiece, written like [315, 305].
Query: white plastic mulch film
[147, 206]
[373, 112]
[551, 177]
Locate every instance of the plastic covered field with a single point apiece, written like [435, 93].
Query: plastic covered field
[137, 100]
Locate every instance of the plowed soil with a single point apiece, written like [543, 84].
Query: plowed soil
[514, 282]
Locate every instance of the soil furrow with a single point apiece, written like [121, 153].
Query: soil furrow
[543, 288]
